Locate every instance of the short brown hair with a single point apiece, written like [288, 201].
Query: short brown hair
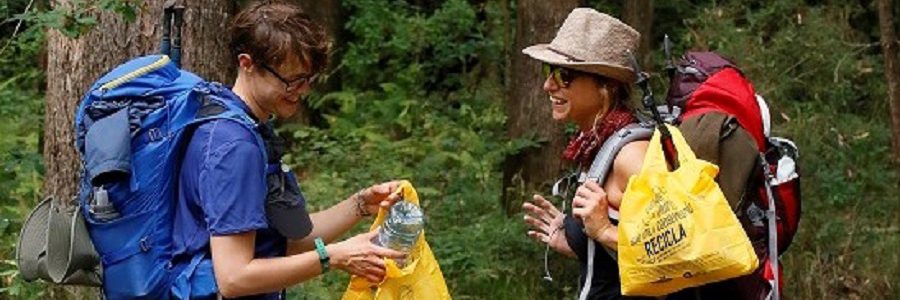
[269, 31]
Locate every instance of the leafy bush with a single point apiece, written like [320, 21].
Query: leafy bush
[420, 99]
[21, 166]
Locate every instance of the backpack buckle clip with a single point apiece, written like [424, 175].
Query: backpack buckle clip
[145, 246]
[154, 134]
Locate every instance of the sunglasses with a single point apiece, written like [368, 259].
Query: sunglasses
[563, 76]
[292, 85]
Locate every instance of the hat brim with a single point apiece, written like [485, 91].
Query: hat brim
[543, 53]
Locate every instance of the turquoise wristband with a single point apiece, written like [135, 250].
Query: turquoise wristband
[323, 255]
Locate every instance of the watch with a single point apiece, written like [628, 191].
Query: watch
[323, 255]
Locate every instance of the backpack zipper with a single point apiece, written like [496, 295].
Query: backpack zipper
[162, 61]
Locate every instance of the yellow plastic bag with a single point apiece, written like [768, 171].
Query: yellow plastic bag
[421, 278]
[676, 229]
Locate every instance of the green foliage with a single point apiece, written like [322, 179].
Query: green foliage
[420, 100]
[420, 97]
[21, 167]
[71, 20]
[790, 57]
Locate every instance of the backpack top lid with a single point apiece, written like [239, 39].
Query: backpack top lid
[706, 81]
[144, 76]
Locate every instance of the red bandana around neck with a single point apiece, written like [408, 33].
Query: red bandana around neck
[583, 147]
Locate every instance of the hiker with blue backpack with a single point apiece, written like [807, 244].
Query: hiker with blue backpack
[222, 206]
[184, 193]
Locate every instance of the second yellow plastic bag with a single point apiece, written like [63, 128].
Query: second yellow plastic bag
[676, 229]
[421, 278]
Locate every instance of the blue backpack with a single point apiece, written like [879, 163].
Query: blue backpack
[132, 128]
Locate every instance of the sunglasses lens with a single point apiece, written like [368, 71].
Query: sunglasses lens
[560, 78]
[564, 76]
[561, 75]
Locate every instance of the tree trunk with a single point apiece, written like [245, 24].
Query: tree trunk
[327, 13]
[532, 170]
[639, 15]
[205, 44]
[73, 64]
[891, 70]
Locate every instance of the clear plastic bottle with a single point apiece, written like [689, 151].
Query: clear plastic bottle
[101, 209]
[401, 228]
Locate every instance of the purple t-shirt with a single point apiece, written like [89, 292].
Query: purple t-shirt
[221, 191]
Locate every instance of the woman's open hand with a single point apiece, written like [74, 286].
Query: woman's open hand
[546, 224]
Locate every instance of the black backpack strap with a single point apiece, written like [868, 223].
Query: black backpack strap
[275, 145]
[285, 203]
[209, 107]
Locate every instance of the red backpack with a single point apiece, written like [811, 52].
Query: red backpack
[769, 207]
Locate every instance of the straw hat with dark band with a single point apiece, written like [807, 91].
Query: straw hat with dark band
[592, 42]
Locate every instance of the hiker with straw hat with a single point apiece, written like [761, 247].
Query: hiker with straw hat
[588, 82]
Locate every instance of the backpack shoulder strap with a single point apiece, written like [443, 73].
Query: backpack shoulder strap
[603, 161]
[598, 171]
[213, 107]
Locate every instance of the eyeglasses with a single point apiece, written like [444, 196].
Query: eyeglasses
[293, 85]
[563, 76]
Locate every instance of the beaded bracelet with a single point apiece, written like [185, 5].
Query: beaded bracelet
[360, 205]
